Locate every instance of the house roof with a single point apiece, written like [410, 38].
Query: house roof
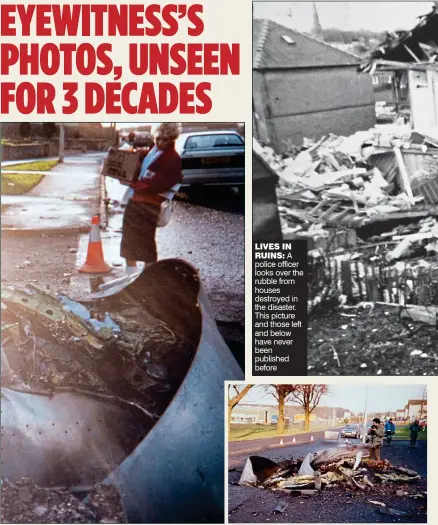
[418, 402]
[290, 410]
[406, 46]
[296, 50]
[390, 65]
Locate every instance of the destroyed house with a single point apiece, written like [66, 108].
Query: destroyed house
[411, 58]
[303, 87]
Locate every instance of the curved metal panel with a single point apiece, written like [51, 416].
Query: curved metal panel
[66, 439]
[176, 473]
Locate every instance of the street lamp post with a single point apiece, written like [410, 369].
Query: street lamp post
[365, 416]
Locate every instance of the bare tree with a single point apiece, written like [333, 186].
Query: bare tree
[240, 392]
[308, 396]
[281, 394]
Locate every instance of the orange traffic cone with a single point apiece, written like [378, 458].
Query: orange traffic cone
[281, 441]
[95, 262]
[294, 440]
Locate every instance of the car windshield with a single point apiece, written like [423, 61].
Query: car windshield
[213, 141]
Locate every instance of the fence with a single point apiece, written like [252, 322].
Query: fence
[363, 281]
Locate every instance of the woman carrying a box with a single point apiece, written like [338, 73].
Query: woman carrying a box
[161, 169]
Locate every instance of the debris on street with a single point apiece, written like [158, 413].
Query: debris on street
[115, 346]
[83, 384]
[347, 466]
[24, 502]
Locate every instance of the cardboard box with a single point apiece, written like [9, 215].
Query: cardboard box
[121, 164]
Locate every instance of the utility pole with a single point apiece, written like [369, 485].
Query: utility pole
[422, 403]
[333, 417]
[365, 416]
[61, 142]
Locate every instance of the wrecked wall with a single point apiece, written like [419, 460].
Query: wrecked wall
[260, 111]
[423, 88]
[295, 103]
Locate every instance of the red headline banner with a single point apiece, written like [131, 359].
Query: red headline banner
[82, 59]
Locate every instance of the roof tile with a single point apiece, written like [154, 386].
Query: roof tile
[271, 51]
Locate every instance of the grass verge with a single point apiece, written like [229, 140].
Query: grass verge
[19, 183]
[247, 432]
[403, 432]
[37, 165]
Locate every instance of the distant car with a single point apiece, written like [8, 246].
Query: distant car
[351, 431]
[212, 157]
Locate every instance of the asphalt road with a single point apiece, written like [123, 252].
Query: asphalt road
[206, 230]
[239, 448]
[336, 504]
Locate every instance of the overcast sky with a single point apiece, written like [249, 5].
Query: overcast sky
[381, 398]
[374, 16]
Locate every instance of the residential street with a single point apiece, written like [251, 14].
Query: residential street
[206, 230]
[64, 200]
[336, 504]
[238, 451]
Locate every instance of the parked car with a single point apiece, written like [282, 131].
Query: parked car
[350, 431]
[212, 157]
[274, 420]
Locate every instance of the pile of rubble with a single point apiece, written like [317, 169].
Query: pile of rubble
[24, 502]
[347, 466]
[109, 346]
[353, 181]
[368, 206]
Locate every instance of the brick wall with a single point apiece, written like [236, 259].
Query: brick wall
[298, 91]
[28, 151]
[340, 122]
[310, 103]
[50, 149]
[11, 130]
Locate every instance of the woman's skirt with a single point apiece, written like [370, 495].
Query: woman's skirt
[138, 233]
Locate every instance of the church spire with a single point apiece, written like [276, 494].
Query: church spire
[316, 29]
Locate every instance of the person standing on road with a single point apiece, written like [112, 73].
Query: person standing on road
[128, 142]
[414, 428]
[376, 434]
[389, 430]
[161, 169]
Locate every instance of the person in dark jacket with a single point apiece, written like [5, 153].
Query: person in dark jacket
[414, 428]
[160, 171]
[389, 430]
[376, 434]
